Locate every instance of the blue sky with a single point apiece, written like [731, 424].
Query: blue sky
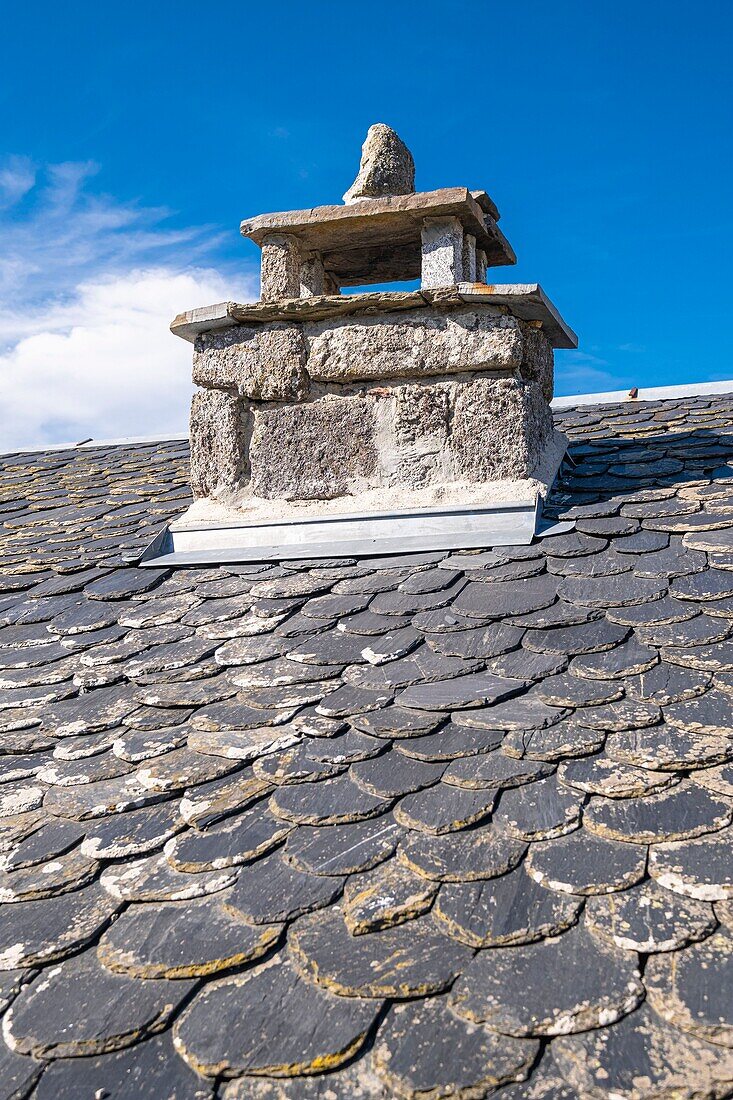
[134, 139]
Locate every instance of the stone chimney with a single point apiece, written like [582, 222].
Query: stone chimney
[313, 404]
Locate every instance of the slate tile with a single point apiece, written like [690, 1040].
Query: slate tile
[446, 620]
[327, 802]
[664, 610]
[557, 614]
[524, 712]
[666, 748]
[386, 896]
[349, 700]
[538, 811]
[108, 796]
[701, 630]
[494, 771]
[422, 666]
[444, 809]
[711, 713]
[473, 690]
[345, 748]
[615, 591]
[293, 765]
[628, 659]
[648, 919]
[368, 623]
[31, 845]
[136, 745]
[450, 743]
[70, 773]
[509, 909]
[18, 1074]
[712, 584]
[392, 775]
[122, 584]
[605, 776]
[581, 863]
[68, 871]
[707, 658]
[638, 1053]
[183, 768]
[665, 683]
[544, 1084]
[233, 715]
[597, 565]
[391, 645]
[398, 722]
[149, 1070]
[521, 664]
[153, 879]
[573, 544]
[281, 672]
[566, 739]
[110, 1011]
[479, 853]
[621, 715]
[481, 642]
[557, 987]
[136, 833]
[414, 959]
[568, 690]
[423, 1049]
[34, 933]
[271, 1020]
[718, 779]
[685, 811]
[239, 839]
[699, 869]
[20, 796]
[500, 599]
[342, 849]
[212, 802]
[182, 940]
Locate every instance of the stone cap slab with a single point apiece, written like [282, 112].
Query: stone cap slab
[526, 301]
[382, 236]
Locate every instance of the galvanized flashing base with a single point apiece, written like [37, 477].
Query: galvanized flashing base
[348, 536]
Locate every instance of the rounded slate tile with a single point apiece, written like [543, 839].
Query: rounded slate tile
[711, 713]
[521, 664]
[560, 613]
[196, 693]
[480, 853]
[717, 657]
[423, 1049]
[615, 591]
[349, 747]
[712, 584]
[525, 712]
[70, 773]
[593, 637]
[509, 909]
[137, 745]
[349, 700]
[238, 839]
[35, 840]
[648, 919]
[326, 802]
[471, 691]
[494, 771]
[411, 960]
[293, 765]
[685, 811]
[628, 659]
[108, 796]
[450, 743]
[68, 871]
[422, 666]
[604, 776]
[640, 1057]
[580, 863]
[444, 808]
[702, 630]
[183, 939]
[559, 986]
[33, 933]
[273, 890]
[343, 849]
[132, 834]
[622, 715]
[393, 774]
[568, 690]
[386, 896]
[243, 745]
[538, 811]
[153, 879]
[270, 1020]
[664, 610]
[544, 1084]
[499, 599]
[18, 1074]
[149, 1070]
[212, 802]
[666, 748]
[557, 743]
[700, 869]
[483, 642]
[110, 1011]
[665, 684]
[20, 797]
[718, 779]
[397, 722]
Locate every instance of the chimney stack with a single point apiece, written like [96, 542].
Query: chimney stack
[373, 420]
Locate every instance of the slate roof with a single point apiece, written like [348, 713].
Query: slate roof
[430, 825]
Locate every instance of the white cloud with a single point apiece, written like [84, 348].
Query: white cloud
[89, 286]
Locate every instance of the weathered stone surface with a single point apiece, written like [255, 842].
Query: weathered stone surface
[342, 849]
[153, 879]
[271, 1020]
[110, 1011]
[328, 802]
[42, 880]
[238, 839]
[279, 267]
[390, 894]
[219, 432]
[606, 776]
[700, 868]
[264, 363]
[444, 809]
[511, 419]
[425, 1050]
[131, 834]
[639, 1057]
[538, 811]
[479, 853]
[648, 919]
[581, 863]
[668, 749]
[450, 743]
[509, 909]
[685, 811]
[495, 771]
[34, 933]
[272, 890]
[386, 166]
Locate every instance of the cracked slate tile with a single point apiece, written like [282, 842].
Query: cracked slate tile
[326, 802]
[450, 743]
[423, 1049]
[183, 939]
[421, 667]
[648, 919]
[38, 843]
[522, 712]
[271, 1020]
[149, 1070]
[110, 1011]
[509, 909]
[639, 1057]
[293, 765]
[243, 745]
[700, 868]
[349, 700]
[683, 812]
[559, 614]
[665, 748]
[665, 684]
[386, 896]
[413, 959]
[581, 863]
[444, 809]
[605, 776]
[153, 879]
[557, 987]
[393, 774]
[480, 853]
[342, 849]
[34, 933]
[566, 739]
[538, 811]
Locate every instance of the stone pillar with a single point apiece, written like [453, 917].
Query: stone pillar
[312, 276]
[279, 268]
[442, 252]
[219, 445]
[481, 265]
[469, 258]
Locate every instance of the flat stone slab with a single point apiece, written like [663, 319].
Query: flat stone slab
[698, 869]
[685, 811]
[272, 1021]
[648, 919]
[34, 933]
[480, 853]
[581, 863]
[557, 987]
[343, 849]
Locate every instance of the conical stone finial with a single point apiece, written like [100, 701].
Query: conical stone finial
[386, 167]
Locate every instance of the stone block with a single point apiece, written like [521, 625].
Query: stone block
[538, 360]
[420, 421]
[442, 252]
[312, 276]
[219, 431]
[499, 428]
[469, 258]
[314, 451]
[264, 363]
[413, 344]
[279, 267]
